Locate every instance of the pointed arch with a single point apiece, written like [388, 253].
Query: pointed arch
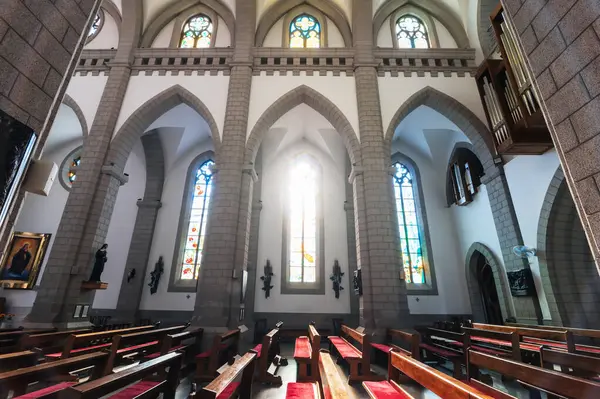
[69, 102]
[436, 9]
[114, 12]
[276, 11]
[185, 9]
[137, 123]
[456, 112]
[303, 95]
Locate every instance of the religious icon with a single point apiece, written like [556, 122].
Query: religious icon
[22, 261]
[99, 264]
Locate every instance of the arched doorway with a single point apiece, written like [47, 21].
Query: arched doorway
[487, 290]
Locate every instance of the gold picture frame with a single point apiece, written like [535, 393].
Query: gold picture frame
[20, 266]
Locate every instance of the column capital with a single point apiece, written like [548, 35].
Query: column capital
[356, 171]
[257, 206]
[113, 171]
[348, 206]
[144, 203]
[249, 170]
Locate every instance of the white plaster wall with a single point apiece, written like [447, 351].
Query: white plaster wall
[528, 178]
[41, 215]
[118, 4]
[163, 39]
[165, 237]
[152, 8]
[87, 93]
[340, 90]
[211, 90]
[334, 36]
[274, 37]
[394, 92]
[274, 183]
[223, 35]
[444, 37]
[108, 37]
[384, 36]
[230, 4]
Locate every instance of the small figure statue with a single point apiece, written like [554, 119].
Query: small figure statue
[159, 268]
[336, 277]
[267, 279]
[99, 264]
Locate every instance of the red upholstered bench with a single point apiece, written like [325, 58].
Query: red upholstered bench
[301, 390]
[229, 391]
[157, 354]
[87, 349]
[306, 354]
[354, 356]
[439, 351]
[302, 348]
[385, 390]
[135, 390]
[224, 347]
[46, 391]
[382, 347]
[257, 349]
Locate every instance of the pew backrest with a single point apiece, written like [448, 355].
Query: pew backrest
[505, 336]
[315, 345]
[559, 335]
[111, 383]
[579, 332]
[51, 339]
[569, 361]
[547, 380]
[80, 340]
[439, 383]
[332, 386]
[173, 340]
[227, 342]
[362, 339]
[15, 360]
[244, 366]
[412, 339]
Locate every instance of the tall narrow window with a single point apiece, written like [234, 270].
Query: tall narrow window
[411, 32]
[197, 32]
[196, 229]
[305, 32]
[408, 224]
[302, 248]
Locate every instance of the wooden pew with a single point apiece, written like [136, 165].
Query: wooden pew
[403, 369]
[577, 332]
[226, 386]
[557, 338]
[136, 342]
[56, 372]
[537, 378]
[446, 345]
[80, 344]
[15, 360]
[571, 363]
[411, 340]
[175, 342]
[306, 354]
[224, 347]
[497, 343]
[267, 350]
[150, 385]
[329, 384]
[48, 342]
[9, 339]
[359, 361]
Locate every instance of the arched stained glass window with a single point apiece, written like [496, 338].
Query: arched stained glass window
[96, 25]
[72, 175]
[411, 32]
[302, 255]
[408, 224]
[305, 32]
[196, 228]
[197, 32]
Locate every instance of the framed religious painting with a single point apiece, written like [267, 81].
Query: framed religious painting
[22, 260]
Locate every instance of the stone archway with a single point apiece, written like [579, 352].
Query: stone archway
[476, 251]
[569, 274]
[69, 102]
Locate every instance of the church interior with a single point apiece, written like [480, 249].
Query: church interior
[300, 198]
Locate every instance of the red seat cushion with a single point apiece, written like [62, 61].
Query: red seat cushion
[157, 354]
[229, 391]
[347, 351]
[258, 349]
[136, 347]
[135, 390]
[301, 390]
[46, 391]
[439, 351]
[208, 352]
[384, 390]
[302, 349]
[381, 347]
[59, 354]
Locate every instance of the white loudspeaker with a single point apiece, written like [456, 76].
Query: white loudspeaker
[40, 177]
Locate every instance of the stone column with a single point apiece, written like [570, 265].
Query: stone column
[384, 302]
[561, 41]
[218, 294]
[145, 222]
[84, 223]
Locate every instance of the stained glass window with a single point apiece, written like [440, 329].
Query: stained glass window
[95, 25]
[411, 32]
[197, 32]
[196, 229]
[72, 175]
[408, 224]
[305, 32]
[303, 223]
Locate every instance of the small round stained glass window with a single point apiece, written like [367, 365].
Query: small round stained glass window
[197, 32]
[69, 168]
[411, 32]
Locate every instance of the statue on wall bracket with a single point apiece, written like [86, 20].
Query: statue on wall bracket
[99, 262]
[336, 277]
[267, 279]
[159, 268]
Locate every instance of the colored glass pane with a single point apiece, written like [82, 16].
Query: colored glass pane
[72, 175]
[305, 32]
[193, 247]
[408, 225]
[95, 25]
[303, 223]
[197, 32]
[411, 32]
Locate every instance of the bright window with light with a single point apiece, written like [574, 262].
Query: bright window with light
[197, 32]
[98, 19]
[408, 224]
[411, 32]
[305, 32]
[303, 223]
[193, 250]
